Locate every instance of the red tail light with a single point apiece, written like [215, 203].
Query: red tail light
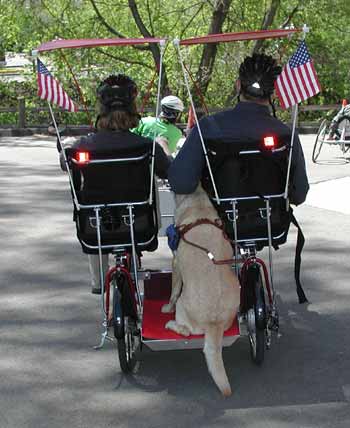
[269, 142]
[83, 157]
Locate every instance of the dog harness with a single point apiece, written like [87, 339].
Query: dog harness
[184, 228]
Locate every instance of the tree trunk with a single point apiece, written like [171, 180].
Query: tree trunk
[267, 22]
[154, 47]
[204, 73]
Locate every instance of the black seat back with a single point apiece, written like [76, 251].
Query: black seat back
[249, 174]
[113, 184]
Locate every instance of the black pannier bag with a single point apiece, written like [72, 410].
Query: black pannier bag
[115, 182]
[239, 174]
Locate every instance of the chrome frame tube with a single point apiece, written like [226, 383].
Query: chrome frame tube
[75, 198]
[104, 334]
[160, 75]
[252, 152]
[235, 234]
[177, 45]
[130, 207]
[117, 204]
[115, 160]
[269, 232]
[121, 246]
[247, 198]
[295, 115]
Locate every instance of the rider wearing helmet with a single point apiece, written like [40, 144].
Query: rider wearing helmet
[163, 127]
[343, 115]
[249, 120]
[117, 114]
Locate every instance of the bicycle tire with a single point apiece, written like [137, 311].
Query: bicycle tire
[322, 130]
[257, 335]
[125, 327]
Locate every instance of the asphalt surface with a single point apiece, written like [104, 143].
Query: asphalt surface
[50, 376]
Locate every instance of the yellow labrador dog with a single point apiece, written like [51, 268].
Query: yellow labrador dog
[205, 295]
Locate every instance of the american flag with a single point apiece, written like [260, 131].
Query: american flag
[298, 80]
[50, 89]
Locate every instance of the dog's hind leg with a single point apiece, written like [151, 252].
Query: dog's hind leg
[176, 287]
[213, 355]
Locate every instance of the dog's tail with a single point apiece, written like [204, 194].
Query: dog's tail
[213, 355]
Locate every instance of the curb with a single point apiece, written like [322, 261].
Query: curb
[25, 132]
[76, 131]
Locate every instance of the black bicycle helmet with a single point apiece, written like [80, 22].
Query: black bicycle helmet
[117, 92]
[257, 74]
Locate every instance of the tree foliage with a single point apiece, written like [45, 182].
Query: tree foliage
[27, 23]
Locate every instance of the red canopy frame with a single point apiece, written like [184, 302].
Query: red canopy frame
[210, 38]
[92, 43]
[235, 37]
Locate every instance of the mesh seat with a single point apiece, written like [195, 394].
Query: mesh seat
[248, 175]
[119, 187]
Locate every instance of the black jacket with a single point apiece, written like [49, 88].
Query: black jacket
[247, 121]
[118, 143]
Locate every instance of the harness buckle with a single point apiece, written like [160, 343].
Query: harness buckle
[210, 255]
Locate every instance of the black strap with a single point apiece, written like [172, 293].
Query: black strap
[297, 262]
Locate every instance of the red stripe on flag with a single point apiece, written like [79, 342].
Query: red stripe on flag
[298, 80]
[51, 90]
[313, 77]
[48, 89]
[300, 84]
[66, 102]
[290, 83]
[306, 81]
[279, 95]
[59, 95]
[286, 90]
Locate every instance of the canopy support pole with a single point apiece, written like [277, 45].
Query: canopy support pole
[162, 48]
[75, 199]
[177, 45]
[295, 115]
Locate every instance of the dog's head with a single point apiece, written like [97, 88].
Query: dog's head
[198, 200]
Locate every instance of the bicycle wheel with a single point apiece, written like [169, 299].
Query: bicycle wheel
[125, 325]
[257, 318]
[128, 345]
[321, 134]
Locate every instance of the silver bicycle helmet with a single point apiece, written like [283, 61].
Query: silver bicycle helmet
[171, 107]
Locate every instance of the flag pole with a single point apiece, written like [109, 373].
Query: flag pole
[176, 43]
[306, 29]
[294, 115]
[76, 203]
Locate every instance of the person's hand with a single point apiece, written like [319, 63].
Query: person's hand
[164, 144]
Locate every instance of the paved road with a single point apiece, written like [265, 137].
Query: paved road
[51, 377]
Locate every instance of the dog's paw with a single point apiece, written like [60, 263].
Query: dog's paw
[178, 328]
[168, 308]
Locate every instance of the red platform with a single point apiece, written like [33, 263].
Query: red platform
[157, 294]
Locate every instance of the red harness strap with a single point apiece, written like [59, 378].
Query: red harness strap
[184, 228]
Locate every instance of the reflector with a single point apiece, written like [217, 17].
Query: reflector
[269, 142]
[83, 157]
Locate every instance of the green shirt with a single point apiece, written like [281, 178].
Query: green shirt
[150, 127]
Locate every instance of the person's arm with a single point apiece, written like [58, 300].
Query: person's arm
[299, 183]
[161, 162]
[67, 144]
[164, 144]
[185, 171]
[138, 129]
